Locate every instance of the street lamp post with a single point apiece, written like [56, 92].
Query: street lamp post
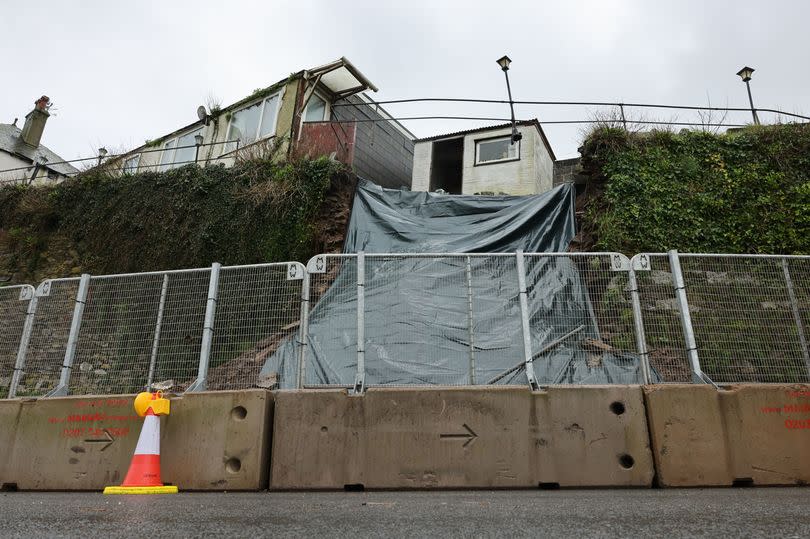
[745, 75]
[198, 140]
[504, 63]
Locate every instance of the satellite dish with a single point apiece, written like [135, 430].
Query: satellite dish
[202, 114]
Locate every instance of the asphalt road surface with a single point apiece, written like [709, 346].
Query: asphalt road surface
[750, 512]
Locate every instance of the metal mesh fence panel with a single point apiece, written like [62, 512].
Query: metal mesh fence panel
[581, 319]
[662, 322]
[117, 334]
[178, 353]
[14, 301]
[332, 280]
[744, 315]
[49, 335]
[258, 310]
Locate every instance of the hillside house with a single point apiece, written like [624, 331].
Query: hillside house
[314, 112]
[485, 160]
[23, 158]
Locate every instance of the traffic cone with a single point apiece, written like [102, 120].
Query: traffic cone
[143, 476]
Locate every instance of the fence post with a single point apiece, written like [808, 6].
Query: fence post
[208, 330]
[360, 377]
[641, 339]
[797, 316]
[303, 331]
[25, 338]
[156, 337]
[524, 317]
[470, 321]
[73, 338]
[686, 318]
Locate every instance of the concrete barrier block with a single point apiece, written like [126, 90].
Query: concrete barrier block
[218, 440]
[747, 434]
[591, 436]
[211, 441]
[9, 416]
[497, 437]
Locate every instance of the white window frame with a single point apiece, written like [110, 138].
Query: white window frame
[493, 161]
[327, 111]
[137, 158]
[171, 164]
[280, 95]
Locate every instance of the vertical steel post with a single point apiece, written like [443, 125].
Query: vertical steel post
[624, 120]
[156, 337]
[470, 321]
[524, 317]
[686, 318]
[360, 377]
[19, 364]
[73, 338]
[208, 330]
[797, 316]
[641, 339]
[303, 332]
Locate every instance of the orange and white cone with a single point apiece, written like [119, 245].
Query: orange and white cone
[143, 476]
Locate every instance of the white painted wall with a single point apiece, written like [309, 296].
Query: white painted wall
[420, 177]
[8, 161]
[532, 174]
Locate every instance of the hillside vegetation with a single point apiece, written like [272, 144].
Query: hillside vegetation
[256, 211]
[743, 192]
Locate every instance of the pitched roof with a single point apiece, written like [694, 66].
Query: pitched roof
[11, 142]
[534, 122]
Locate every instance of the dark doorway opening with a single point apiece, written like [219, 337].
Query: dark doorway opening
[446, 165]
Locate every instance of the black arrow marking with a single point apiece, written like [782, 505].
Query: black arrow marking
[470, 436]
[107, 440]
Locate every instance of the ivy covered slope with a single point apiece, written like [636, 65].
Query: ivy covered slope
[256, 211]
[743, 192]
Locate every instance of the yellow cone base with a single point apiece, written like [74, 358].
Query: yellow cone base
[166, 489]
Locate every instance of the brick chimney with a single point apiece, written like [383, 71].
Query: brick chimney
[35, 122]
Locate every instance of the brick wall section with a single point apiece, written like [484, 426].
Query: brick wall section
[565, 170]
[319, 139]
[382, 153]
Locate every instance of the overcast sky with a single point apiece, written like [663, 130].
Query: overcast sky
[123, 72]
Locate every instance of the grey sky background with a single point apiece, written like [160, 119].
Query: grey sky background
[123, 72]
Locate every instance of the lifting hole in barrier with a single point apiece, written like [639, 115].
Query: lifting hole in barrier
[626, 461]
[743, 482]
[548, 486]
[239, 413]
[8, 487]
[233, 465]
[354, 487]
[617, 407]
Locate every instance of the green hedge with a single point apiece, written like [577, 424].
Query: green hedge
[743, 192]
[256, 211]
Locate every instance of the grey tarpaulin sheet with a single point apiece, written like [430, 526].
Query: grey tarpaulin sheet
[454, 319]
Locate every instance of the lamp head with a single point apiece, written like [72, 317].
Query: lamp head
[745, 73]
[504, 62]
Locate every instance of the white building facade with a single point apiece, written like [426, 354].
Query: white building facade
[485, 161]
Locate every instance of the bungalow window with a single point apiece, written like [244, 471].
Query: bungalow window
[179, 151]
[131, 164]
[254, 122]
[317, 111]
[495, 150]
